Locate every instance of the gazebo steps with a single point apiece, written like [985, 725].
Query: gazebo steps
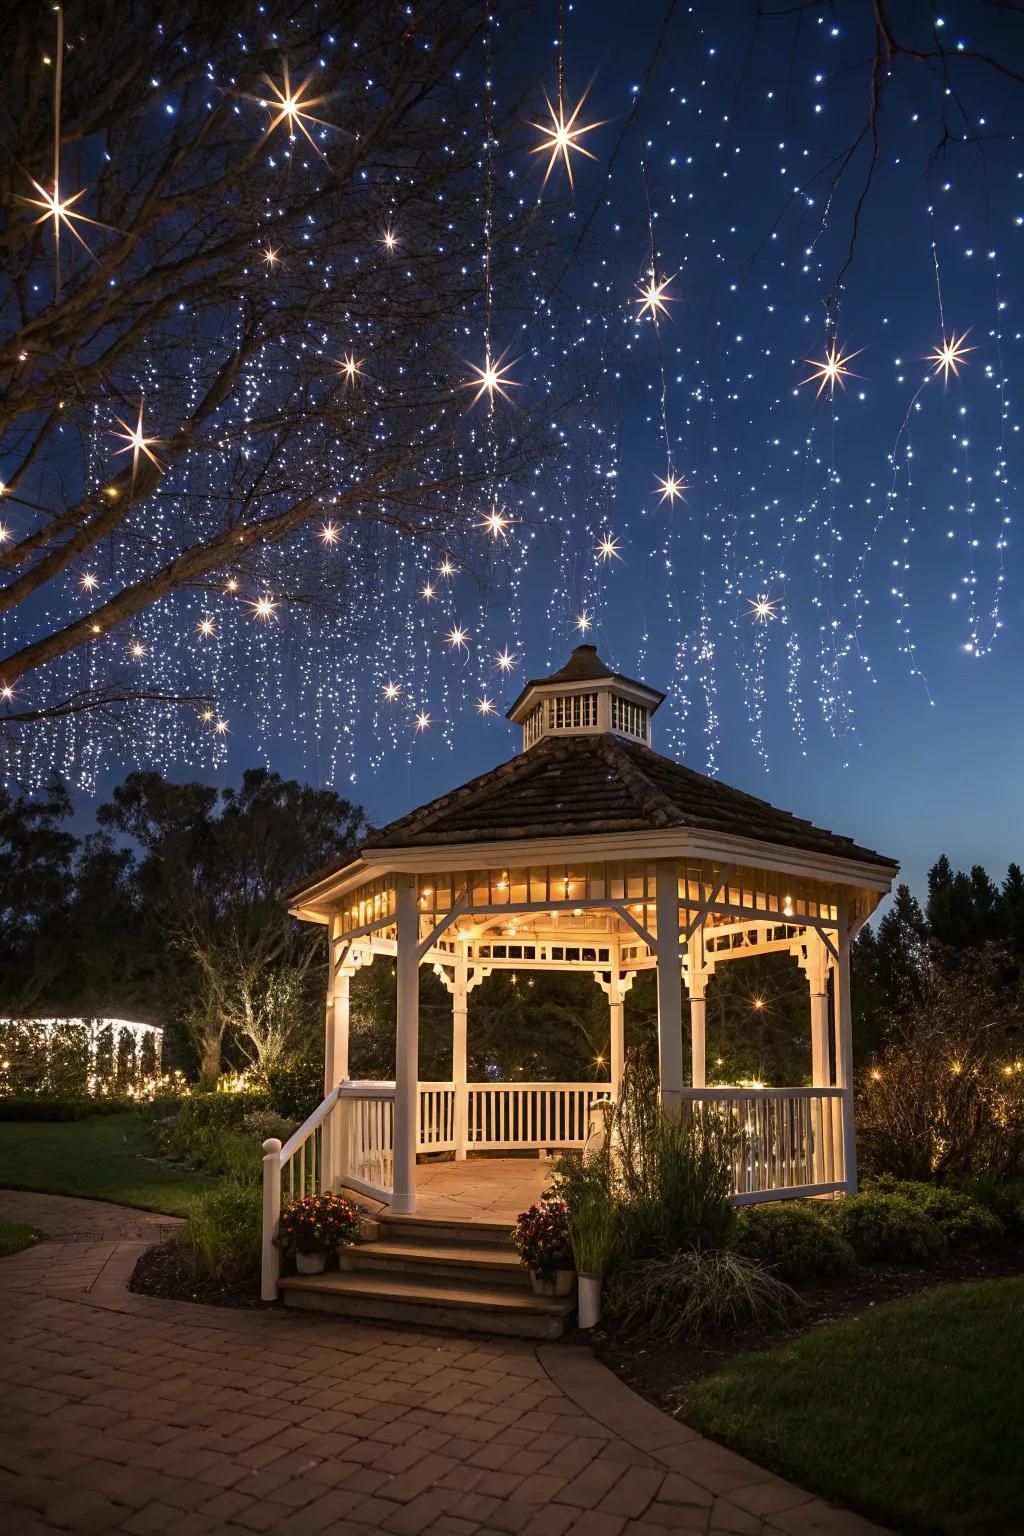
[466, 1305]
[437, 1261]
[439, 1272]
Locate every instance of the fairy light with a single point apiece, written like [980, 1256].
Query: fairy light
[485, 706]
[505, 660]
[671, 488]
[834, 368]
[950, 355]
[560, 137]
[608, 548]
[654, 298]
[492, 379]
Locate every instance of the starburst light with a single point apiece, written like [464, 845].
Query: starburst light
[949, 358]
[561, 137]
[832, 370]
[671, 488]
[654, 297]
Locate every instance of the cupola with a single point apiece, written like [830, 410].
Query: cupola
[584, 698]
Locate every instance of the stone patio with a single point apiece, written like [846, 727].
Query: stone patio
[124, 1413]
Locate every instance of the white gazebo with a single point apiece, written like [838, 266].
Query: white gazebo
[587, 851]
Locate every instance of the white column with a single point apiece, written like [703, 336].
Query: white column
[844, 1046]
[698, 1031]
[340, 1026]
[329, 1136]
[821, 1069]
[670, 984]
[407, 1042]
[616, 1029]
[460, 1012]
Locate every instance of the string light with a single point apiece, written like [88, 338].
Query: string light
[492, 379]
[950, 356]
[671, 488]
[584, 622]
[458, 638]
[762, 609]
[392, 691]
[485, 706]
[608, 548]
[654, 298]
[423, 721]
[505, 660]
[136, 442]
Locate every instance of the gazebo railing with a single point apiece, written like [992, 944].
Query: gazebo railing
[785, 1141]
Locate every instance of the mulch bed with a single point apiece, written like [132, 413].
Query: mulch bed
[162, 1271]
[661, 1372]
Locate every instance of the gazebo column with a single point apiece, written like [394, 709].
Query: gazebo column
[697, 986]
[844, 1046]
[670, 983]
[814, 962]
[407, 1044]
[616, 1029]
[460, 1012]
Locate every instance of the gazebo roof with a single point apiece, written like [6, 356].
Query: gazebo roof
[581, 785]
[584, 666]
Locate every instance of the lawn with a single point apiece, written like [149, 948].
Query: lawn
[910, 1413]
[106, 1157]
[14, 1236]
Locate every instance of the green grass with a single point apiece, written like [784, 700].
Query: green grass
[910, 1413]
[14, 1236]
[106, 1157]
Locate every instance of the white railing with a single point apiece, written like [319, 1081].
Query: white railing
[436, 1129]
[785, 1141]
[367, 1137]
[529, 1116]
[293, 1171]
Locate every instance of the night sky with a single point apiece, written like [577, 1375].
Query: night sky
[883, 698]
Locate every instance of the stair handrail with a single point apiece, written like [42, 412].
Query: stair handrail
[275, 1158]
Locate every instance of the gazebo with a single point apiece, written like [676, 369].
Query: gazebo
[586, 851]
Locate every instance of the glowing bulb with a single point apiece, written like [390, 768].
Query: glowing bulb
[264, 608]
[492, 379]
[457, 637]
[495, 524]
[391, 691]
[505, 660]
[654, 297]
[351, 367]
[485, 706]
[428, 591]
[832, 370]
[88, 581]
[137, 650]
[584, 622]
[329, 533]
[608, 548]
[949, 357]
[671, 487]
[762, 608]
[446, 568]
[136, 442]
[561, 138]
[206, 627]
[422, 721]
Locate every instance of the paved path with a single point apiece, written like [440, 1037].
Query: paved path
[124, 1413]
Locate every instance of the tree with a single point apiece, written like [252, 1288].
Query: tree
[35, 890]
[295, 222]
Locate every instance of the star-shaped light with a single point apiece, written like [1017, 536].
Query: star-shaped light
[832, 370]
[206, 627]
[62, 211]
[457, 637]
[446, 568]
[6, 692]
[584, 622]
[391, 691]
[136, 442]
[428, 590]
[329, 533]
[949, 357]
[221, 727]
[137, 650]
[671, 488]
[206, 715]
[270, 255]
[88, 581]
[492, 379]
[389, 240]
[561, 137]
[422, 721]
[264, 608]
[495, 523]
[762, 608]
[505, 660]
[485, 706]
[5, 533]
[351, 368]
[608, 548]
[231, 585]
[654, 296]
[293, 108]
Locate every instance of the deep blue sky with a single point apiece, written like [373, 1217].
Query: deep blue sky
[733, 119]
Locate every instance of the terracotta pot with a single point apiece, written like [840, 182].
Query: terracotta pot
[589, 1304]
[556, 1282]
[310, 1263]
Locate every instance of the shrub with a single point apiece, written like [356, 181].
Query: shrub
[593, 1214]
[1004, 1200]
[317, 1224]
[264, 1123]
[965, 1224]
[793, 1240]
[222, 1238]
[689, 1295]
[672, 1173]
[192, 1128]
[295, 1088]
[878, 1225]
[541, 1235]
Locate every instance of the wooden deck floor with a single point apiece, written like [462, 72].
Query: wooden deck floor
[481, 1188]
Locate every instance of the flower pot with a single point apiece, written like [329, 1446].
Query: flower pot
[310, 1263]
[589, 1304]
[556, 1282]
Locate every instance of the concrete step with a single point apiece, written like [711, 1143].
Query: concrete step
[436, 1260]
[443, 1229]
[463, 1305]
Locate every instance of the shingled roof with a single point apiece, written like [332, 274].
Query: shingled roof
[579, 786]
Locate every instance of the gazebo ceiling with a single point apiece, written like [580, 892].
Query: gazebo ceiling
[597, 784]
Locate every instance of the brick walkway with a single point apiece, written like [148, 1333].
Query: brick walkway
[124, 1413]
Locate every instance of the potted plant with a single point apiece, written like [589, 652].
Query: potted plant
[592, 1220]
[314, 1227]
[541, 1234]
